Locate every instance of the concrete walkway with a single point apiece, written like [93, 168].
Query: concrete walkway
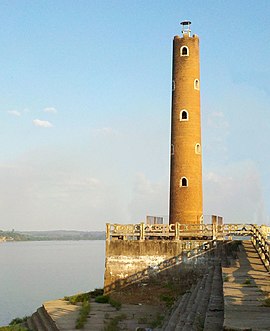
[64, 315]
[246, 286]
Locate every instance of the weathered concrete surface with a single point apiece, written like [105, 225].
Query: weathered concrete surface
[62, 313]
[128, 257]
[246, 286]
[65, 315]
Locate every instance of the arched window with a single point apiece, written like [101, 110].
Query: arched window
[173, 85]
[198, 149]
[183, 115]
[172, 149]
[196, 84]
[184, 51]
[183, 182]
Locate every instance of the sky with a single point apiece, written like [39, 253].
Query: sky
[85, 108]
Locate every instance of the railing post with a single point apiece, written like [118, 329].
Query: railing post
[142, 234]
[108, 231]
[214, 226]
[176, 231]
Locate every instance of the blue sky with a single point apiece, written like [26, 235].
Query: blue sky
[85, 110]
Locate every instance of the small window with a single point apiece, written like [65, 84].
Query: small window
[172, 149]
[184, 51]
[198, 149]
[183, 182]
[184, 115]
[196, 84]
[173, 85]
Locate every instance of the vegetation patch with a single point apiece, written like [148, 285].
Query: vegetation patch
[81, 297]
[18, 320]
[247, 281]
[158, 321]
[112, 325]
[168, 299]
[84, 311]
[13, 328]
[266, 302]
[107, 299]
[226, 278]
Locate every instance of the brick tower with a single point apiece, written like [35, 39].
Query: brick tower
[186, 159]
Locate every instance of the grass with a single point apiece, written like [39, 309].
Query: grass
[14, 325]
[142, 320]
[157, 322]
[13, 328]
[18, 320]
[226, 278]
[168, 299]
[84, 311]
[113, 323]
[81, 297]
[266, 302]
[247, 282]
[107, 299]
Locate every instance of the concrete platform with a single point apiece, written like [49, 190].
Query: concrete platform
[246, 286]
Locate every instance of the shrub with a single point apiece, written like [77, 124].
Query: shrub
[96, 292]
[116, 304]
[102, 299]
[81, 297]
[18, 320]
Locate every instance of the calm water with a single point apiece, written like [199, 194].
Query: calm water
[34, 272]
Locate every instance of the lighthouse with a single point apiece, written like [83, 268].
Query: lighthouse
[186, 150]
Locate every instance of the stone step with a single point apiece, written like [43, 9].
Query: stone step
[215, 310]
[29, 324]
[46, 320]
[181, 322]
[195, 319]
[37, 323]
[41, 321]
[171, 323]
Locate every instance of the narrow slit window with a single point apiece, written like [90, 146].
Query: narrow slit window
[198, 149]
[172, 149]
[196, 84]
[184, 115]
[173, 85]
[183, 182]
[184, 51]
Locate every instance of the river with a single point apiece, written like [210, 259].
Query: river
[37, 271]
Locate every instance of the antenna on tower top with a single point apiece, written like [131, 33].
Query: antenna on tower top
[186, 27]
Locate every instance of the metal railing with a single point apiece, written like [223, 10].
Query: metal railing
[261, 243]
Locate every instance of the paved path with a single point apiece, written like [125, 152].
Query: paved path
[64, 315]
[246, 285]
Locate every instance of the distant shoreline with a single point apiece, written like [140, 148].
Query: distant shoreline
[11, 236]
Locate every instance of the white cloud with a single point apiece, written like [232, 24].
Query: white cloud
[42, 124]
[106, 131]
[217, 120]
[148, 198]
[14, 113]
[236, 193]
[50, 110]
